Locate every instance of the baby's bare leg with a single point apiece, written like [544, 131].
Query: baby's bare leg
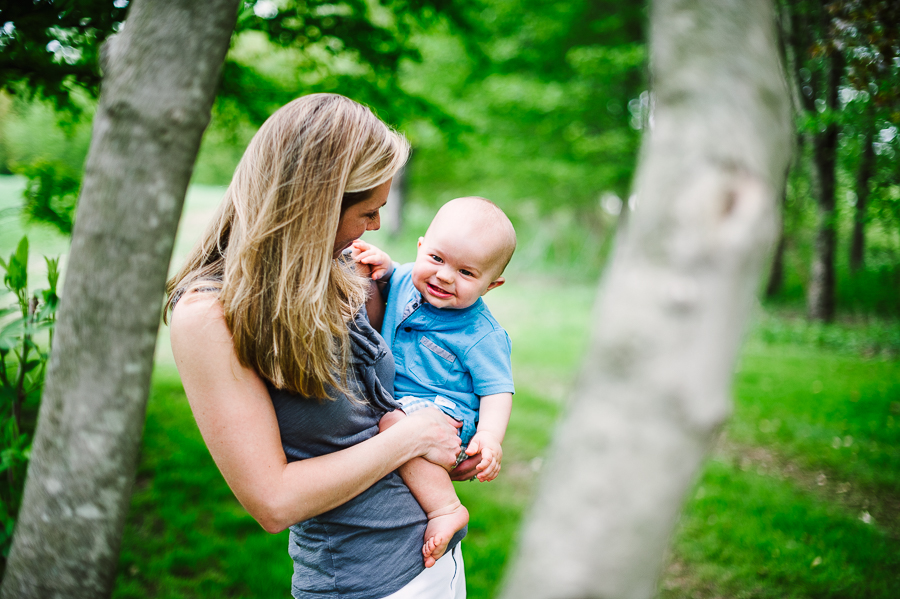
[432, 488]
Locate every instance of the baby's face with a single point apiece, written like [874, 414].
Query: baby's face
[455, 265]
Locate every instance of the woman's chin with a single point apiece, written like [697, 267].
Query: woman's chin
[340, 249]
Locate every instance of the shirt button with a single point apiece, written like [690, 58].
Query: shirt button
[407, 329]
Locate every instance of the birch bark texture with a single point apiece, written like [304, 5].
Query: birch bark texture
[655, 387]
[160, 76]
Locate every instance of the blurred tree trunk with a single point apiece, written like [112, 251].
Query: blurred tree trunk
[776, 271]
[820, 302]
[161, 74]
[863, 175]
[814, 37]
[654, 389]
[786, 34]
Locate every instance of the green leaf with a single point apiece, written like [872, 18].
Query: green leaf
[16, 278]
[52, 274]
[37, 327]
[11, 334]
[49, 305]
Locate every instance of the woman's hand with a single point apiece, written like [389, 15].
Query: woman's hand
[439, 436]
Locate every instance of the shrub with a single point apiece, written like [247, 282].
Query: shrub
[22, 366]
[51, 193]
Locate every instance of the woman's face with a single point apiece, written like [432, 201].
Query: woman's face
[361, 217]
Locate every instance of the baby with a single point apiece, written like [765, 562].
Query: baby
[449, 351]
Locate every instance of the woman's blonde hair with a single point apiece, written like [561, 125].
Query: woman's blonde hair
[269, 248]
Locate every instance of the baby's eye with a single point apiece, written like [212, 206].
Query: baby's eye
[465, 272]
[437, 259]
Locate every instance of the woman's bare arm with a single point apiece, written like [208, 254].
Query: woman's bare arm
[237, 420]
[375, 306]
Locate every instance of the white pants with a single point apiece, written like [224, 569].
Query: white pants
[446, 579]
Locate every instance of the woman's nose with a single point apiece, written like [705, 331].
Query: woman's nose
[374, 224]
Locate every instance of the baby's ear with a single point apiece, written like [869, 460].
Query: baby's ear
[419, 244]
[494, 284]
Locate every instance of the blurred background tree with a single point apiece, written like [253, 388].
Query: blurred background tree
[537, 105]
[842, 59]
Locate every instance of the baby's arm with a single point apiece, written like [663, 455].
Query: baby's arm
[493, 419]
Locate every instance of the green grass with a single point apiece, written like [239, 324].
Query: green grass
[834, 412]
[802, 497]
[781, 509]
[186, 535]
[749, 535]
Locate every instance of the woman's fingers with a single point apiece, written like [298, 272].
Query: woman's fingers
[443, 444]
[453, 422]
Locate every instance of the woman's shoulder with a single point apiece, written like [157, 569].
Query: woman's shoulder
[197, 313]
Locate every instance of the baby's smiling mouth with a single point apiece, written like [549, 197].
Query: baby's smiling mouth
[437, 291]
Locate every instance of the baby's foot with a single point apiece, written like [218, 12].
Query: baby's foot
[442, 525]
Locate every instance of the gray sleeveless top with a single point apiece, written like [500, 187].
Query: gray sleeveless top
[370, 546]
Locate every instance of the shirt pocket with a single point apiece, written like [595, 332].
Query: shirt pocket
[433, 364]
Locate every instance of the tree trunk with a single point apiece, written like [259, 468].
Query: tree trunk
[161, 73]
[654, 389]
[786, 49]
[776, 272]
[865, 172]
[820, 302]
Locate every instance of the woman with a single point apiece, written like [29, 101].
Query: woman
[287, 380]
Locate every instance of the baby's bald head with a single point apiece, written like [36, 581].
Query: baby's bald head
[473, 218]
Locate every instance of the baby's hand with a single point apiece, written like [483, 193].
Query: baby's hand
[378, 262]
[491, 455]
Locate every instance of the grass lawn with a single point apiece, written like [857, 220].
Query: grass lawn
[187, 536]
[799, 499]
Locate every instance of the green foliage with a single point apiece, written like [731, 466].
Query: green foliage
[870, 338]
[51, 193]
[555, 109]
[868, 32]
[355, 47]
[842, 58]
[874, 289]
[34, 131]
[50, 48]
[22, 365]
